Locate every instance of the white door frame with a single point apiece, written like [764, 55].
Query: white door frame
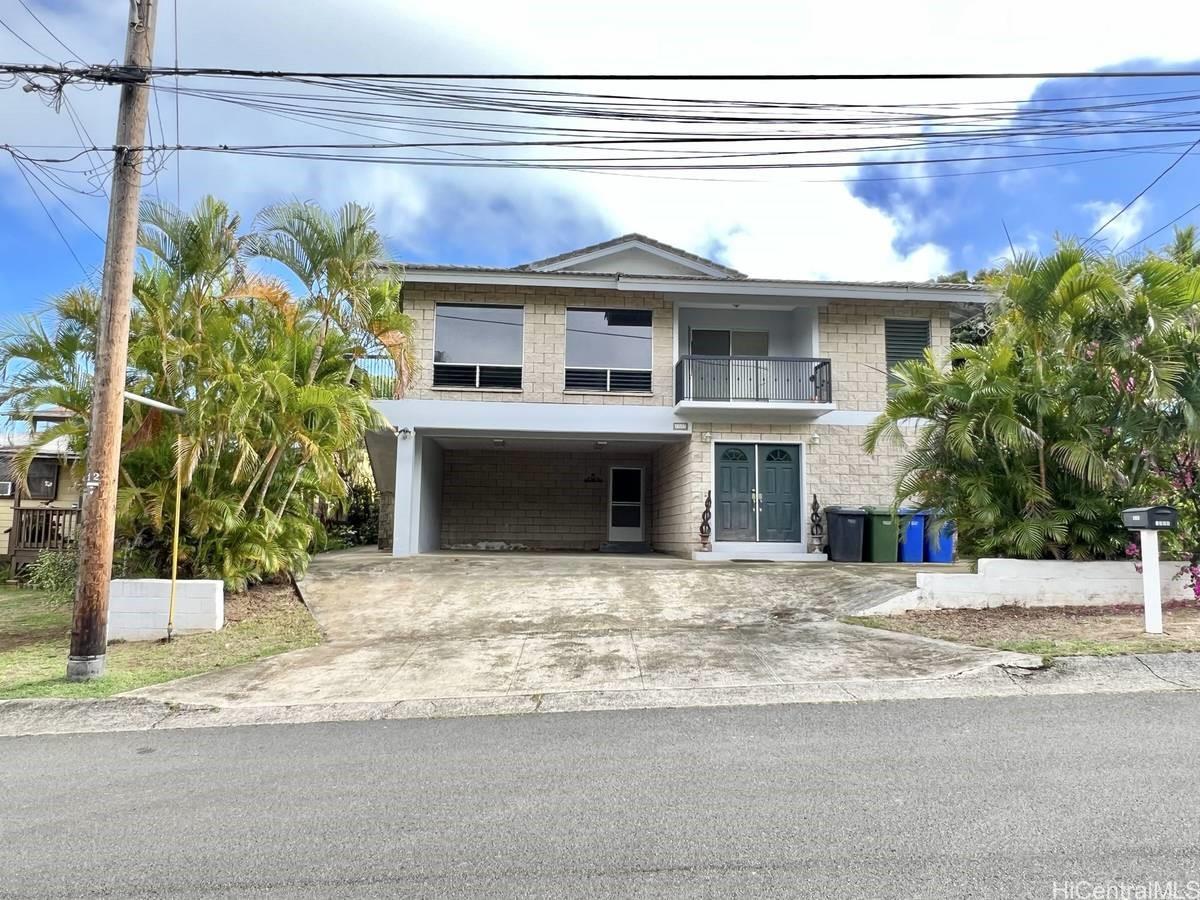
[626, 533]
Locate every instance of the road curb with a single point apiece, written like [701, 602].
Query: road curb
[1171, 672]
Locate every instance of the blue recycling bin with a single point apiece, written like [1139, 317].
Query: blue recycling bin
[939, 543]
[912, 535]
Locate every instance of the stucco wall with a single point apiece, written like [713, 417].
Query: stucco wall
[852, 338]
[544, 341]
[497, 499]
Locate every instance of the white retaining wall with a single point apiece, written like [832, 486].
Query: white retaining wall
[1022, 582]
[137, 607]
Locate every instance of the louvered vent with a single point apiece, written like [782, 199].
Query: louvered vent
[906, 339]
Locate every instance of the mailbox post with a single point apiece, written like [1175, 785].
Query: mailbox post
[1148, 521]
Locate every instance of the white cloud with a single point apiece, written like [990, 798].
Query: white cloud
[786, 224]
[1127, 226]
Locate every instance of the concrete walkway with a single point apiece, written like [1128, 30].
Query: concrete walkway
[495, 626]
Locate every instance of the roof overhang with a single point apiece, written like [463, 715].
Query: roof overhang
[749, 287]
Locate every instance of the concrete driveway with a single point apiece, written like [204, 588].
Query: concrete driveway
[495, 625]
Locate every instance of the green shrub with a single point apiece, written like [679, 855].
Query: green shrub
[54, 573]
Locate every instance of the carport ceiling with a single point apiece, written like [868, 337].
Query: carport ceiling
[555, 445]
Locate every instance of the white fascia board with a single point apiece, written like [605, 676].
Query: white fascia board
[635, 245]
[498, 419]
[811, 290]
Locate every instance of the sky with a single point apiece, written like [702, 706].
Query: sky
[838, 224]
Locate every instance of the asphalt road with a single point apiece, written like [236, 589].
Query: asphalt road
[948, 798]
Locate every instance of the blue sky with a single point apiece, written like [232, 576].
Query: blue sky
[778, 225]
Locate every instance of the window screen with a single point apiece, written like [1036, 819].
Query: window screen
[906, 339]
[43, 479]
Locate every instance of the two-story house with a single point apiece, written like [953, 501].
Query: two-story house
[605, 397]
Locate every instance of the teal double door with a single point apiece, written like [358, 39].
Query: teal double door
[758, 495]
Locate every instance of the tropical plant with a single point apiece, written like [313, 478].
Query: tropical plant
[275, 409]
[1034, 440]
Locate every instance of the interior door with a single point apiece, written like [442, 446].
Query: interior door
[735, 493]
[626, 515]
[779, 497]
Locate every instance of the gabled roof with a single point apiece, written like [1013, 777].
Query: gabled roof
[698, 264]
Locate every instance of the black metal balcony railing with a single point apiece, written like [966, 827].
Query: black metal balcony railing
[753, 378]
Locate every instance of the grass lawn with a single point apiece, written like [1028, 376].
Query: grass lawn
[34, 640]
[1051, 631]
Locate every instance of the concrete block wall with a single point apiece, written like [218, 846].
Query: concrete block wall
[544, 341]
[852, 338]
[527, 499]
[676, 493]
[836, 469]
[138, 607]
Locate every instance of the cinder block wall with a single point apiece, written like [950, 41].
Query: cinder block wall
[538, 500]
[676, 493]
[544, 341]
[851, 335]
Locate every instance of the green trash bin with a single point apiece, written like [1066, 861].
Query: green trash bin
[882, 539]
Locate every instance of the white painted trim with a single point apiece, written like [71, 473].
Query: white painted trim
[765, 411]
[614, 249]
[613, 530]
[815, 290]
[674, 340]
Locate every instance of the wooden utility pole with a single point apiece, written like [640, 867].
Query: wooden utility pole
[89, 632]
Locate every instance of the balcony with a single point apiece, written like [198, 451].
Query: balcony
[798, 386]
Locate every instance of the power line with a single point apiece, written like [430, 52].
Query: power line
[1162, 228]
[1157, 178]
[62, 236]
[9, 29]
[731, 76]
[123, 73]
[46, 29]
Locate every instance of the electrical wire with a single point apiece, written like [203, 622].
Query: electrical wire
[75, 56]
[1157, 178]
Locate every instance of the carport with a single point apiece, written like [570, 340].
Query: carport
[578, 488]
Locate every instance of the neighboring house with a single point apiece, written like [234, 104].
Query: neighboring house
[598, 398]
[41, 512]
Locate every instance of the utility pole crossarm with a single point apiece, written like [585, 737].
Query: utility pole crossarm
[89, 631]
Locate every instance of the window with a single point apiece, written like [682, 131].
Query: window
[609, 349]
[779, 456]
[733, 455]
[477, 346]
[43, 479]
[713, 342]
[906, 339]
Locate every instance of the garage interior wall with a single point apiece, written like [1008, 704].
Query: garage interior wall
[545, 500]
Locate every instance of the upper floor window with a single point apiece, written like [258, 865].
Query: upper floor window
[609, 349]
[905, 339]
[477, 346]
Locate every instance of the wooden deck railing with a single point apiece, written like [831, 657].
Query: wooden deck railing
[37, 528]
